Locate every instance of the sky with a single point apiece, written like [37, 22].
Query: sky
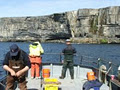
[21, 8]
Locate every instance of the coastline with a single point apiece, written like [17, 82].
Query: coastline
[73, 40]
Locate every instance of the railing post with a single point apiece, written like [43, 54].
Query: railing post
[60, 57]
[99, 76]
[99, 62]
[51, 70]
[110, 67]
[81, 60]
[77, 71]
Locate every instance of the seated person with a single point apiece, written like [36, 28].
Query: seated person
[91, 82]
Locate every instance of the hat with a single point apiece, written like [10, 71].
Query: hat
[14, 49]
[119, 68]
[67, 40]
[35, 44]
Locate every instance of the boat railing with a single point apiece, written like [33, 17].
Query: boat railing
[94, 63]
[82, 61]
[112, 68]
[79, 61]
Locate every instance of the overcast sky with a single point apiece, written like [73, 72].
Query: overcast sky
[19, 8]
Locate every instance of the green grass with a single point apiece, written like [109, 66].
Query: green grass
[105, 41]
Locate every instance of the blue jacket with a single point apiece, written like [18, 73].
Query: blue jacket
[91, 84]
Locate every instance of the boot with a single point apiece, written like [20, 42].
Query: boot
[72, 77]
[63, 74]
[61, 77]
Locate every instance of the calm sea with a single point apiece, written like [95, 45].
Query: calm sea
[109, 52]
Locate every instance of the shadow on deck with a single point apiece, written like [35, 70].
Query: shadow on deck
[32, 89]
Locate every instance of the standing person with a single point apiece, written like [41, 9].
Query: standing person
[35, 57]
[17, 63]
[68, 52]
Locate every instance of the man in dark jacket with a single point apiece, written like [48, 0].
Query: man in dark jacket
[17, 63]
[68, 52]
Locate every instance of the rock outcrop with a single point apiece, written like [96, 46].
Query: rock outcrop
[83, 26]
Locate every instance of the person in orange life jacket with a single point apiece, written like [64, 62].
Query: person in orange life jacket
[92, 82]
[35, 57]
[17, 63]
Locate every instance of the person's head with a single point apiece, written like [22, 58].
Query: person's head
[119, 68]
[68, 42]
[14, 50]
[35, 44]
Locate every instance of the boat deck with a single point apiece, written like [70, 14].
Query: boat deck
[66, 83]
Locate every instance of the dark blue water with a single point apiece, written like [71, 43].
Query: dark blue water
[109, 52]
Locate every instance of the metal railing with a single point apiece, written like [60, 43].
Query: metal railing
[82, 60]
[79, 61]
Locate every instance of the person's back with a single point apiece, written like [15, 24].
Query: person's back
[68, 52]
[35, 57]
[35, 49]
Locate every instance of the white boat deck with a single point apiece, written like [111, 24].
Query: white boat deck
[66, 83]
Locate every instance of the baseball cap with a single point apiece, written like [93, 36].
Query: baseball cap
[35, 44]
[119, 68]
[67, 40]
[14, 49]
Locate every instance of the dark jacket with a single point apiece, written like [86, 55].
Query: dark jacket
[69, 52]
[21, 56]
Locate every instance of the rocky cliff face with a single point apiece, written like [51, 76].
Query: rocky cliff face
[83, 25]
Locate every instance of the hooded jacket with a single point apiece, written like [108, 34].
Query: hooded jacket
[35, 50]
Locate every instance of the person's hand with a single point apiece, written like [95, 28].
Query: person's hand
[19, 73]
[13, 73]
[62, 61]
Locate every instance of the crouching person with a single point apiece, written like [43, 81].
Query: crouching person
[17, 63]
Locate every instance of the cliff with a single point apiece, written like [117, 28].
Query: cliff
[83, 26]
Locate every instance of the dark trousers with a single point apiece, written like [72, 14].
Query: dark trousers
[11, 81]
[68, 64]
